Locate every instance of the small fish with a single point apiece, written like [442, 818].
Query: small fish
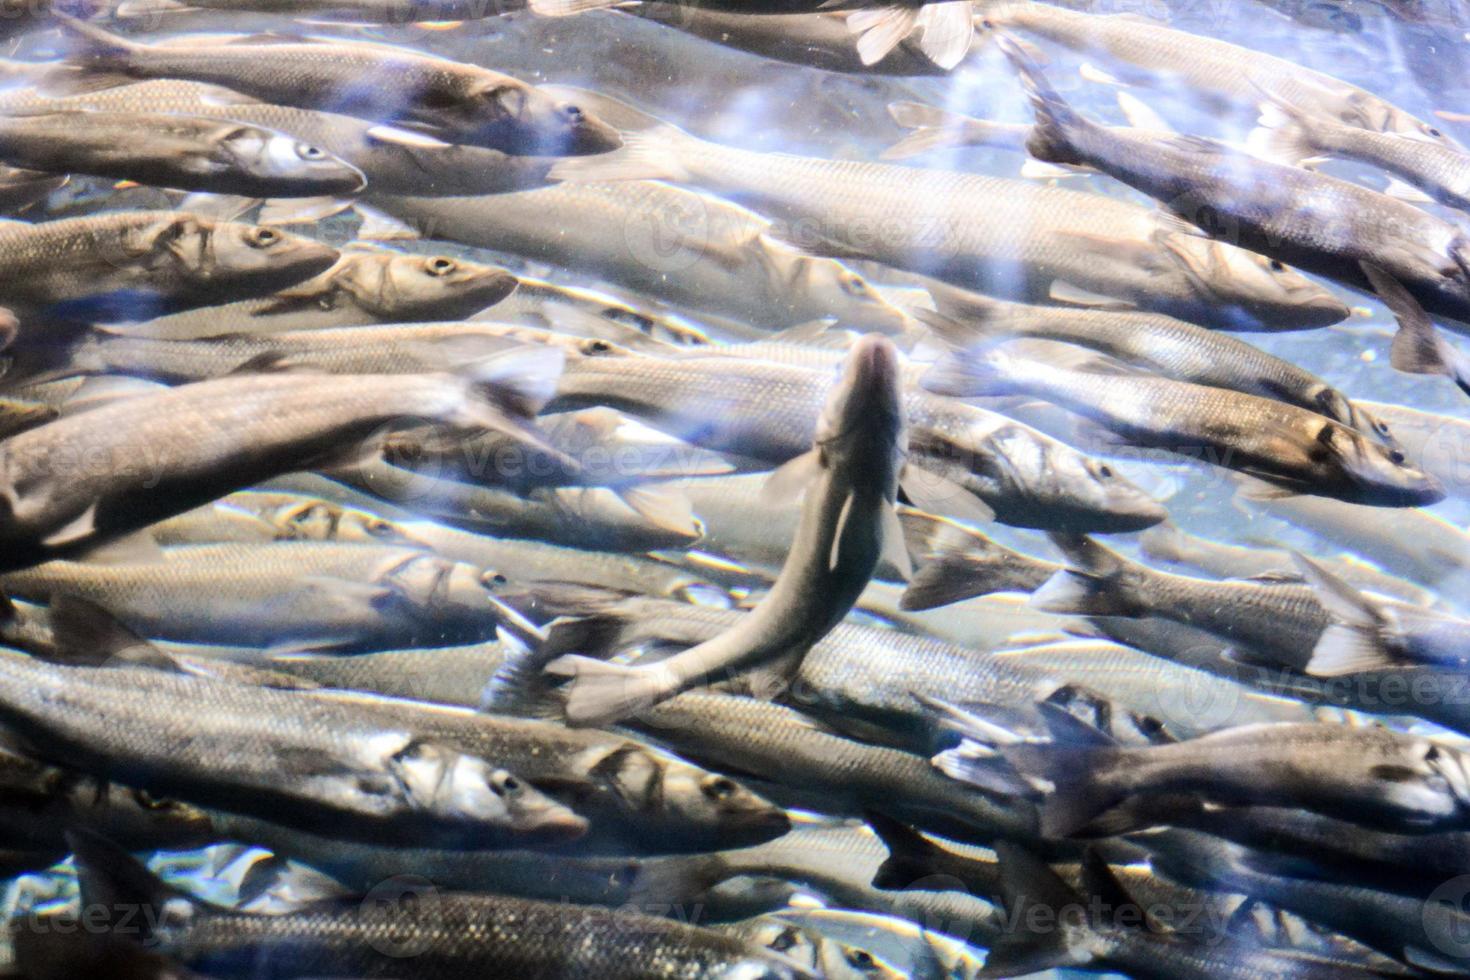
[850, 478]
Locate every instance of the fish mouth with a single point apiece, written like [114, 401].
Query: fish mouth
[1324, 311]
[492, 287]
[310, 258]
[765, 824]
[556, 828]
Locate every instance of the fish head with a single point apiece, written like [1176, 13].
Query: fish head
[710, 809]
[828, 288]
[273, 156]
[1074, 491]
[1454, 768]
[255, 259]
[816, 951]
[1364, 111]
[862, 425]
[763, 968]
[1247, 291]
[1334, 405]
[433, 287]
[323, 520]
[1381, 475]
[454, 786]
[537, 124]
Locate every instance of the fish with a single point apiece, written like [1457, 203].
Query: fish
[225, 744]
[1010, 238]
[850, 481]
[635, 796]
[1107, 928]
[1154, 54]
[786, 748]
[362, 288]
[1321, 224]
[1435, 171]
[1396, 926]
[542, 938]
[394, 160]
[1433, 440]
[956, 562]
[386, 12]
[1295, 450]
[187, 153]
[1372, 777]
[131, 265]
[18, 415]
[460, 102]
[335, 596]
[881, 27]
[1162, 345]
[144, 466]
[690, 250]
[814, 949]
[964, 459]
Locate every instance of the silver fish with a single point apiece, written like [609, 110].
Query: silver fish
[851, 482]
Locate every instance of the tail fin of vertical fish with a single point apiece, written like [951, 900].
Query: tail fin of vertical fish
[1029, 886]
[603, 693]
[1070, 770]
[1051, 139]
[1355, 640]
[1418, 347]
[1096, 585]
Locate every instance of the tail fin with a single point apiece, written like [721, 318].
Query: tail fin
[1051, 140]
[518, 685]
[964, 373]
[1283, 134]
[102, 60]
[947, 26]
[933, 129]
[604, 694]
[1097, 585]
[1029, 884]
[911, 855]
[664, 507]
[651, 154]
[520, 380]
[957, 563]
[112, 879]
[1069, 775]
[1354, 641]
[1418, 348]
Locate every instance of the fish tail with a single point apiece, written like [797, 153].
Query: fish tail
[1068, 776]
[1357, 638]
[1051, 138]
[102, 60]
[1283, 133]
[932, 129]
[1029, 885]
[650, 154]
[1096, 585]
[947, 30]
[971, 373]
[949, 570]
[911, 856]
[664, 507]
[1418, 347]
[603, 693]
[96, 43]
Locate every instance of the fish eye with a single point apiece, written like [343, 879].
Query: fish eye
[1278, 266]
[719, 788]
[263, 237]
[1105, 471]
[596, 347]
[785, 941]
[308, 152]
[494, 578]
[440, 266]
[1397, 456]
[861, 958]
[379, 527]
[1433, 131]
[855, 286]
[504, 784]
[573, 113]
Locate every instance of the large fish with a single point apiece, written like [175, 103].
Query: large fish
[184, 152]
[850, 478]
[464, 103]
[136, 264]
[1323, 224]
[1012, 238]
[81, 480]
[1138, 49]
[1297, 450]
[394, 160]
[395, 934]
[362, 288]
[691, 250]
[321, 764]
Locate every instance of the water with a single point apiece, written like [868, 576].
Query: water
[669, 273]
